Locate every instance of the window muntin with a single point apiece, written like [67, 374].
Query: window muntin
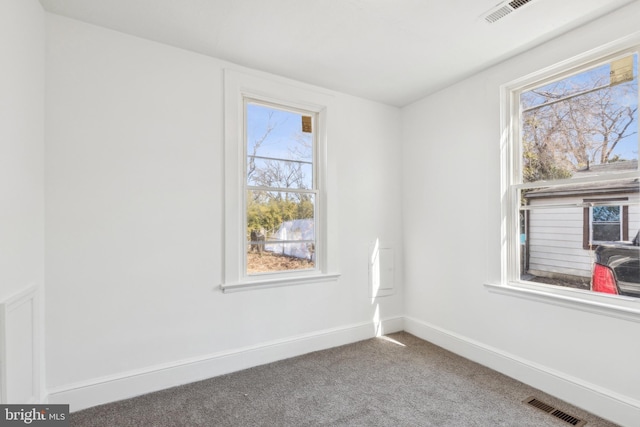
[280, 187]
[574, 135]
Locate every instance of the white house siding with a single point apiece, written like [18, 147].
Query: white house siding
[555, 237]
[555, 240]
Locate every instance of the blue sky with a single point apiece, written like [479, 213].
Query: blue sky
[627, 148]
[285, 140]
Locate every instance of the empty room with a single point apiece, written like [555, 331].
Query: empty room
[319, 212]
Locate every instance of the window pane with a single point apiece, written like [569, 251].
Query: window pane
[606, 232]
[552, 249]
[279, 148]
[280, 155]
[571, 85]
[609, 214]
[278, 261]
[566, 231]
[279, 173]
[280, 231]
[579, 122]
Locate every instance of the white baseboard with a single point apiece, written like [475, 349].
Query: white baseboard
[123, 386]
[605, 403]
[597, 400]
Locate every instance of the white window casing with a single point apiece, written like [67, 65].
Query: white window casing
[511, 185]
[239, 87]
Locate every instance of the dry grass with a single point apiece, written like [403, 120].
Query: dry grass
[577, 282]
[268, 261]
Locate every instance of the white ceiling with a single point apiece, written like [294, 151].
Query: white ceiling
[392, 51]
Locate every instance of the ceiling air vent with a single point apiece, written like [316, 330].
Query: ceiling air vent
[503, 9]
[518, 3]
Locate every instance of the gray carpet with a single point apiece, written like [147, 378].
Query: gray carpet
[376, 382]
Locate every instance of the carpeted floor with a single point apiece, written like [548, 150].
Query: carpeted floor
[398, 380]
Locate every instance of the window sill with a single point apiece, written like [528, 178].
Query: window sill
[278, 282]
[620, 307]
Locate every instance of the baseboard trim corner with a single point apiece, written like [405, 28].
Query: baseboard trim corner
[595, 399]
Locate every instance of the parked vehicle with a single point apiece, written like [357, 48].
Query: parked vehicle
[617, 268]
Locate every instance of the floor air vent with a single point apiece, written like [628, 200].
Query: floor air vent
[554, 412]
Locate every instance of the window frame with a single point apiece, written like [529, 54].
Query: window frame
[238, 87]
[587, 229]
[511, 183]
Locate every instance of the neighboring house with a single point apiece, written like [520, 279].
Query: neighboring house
[572, 220]
[299, 233]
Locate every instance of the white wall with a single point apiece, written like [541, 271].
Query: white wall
[22, 47]
[21, 145]
[451, 181]
[134, 224]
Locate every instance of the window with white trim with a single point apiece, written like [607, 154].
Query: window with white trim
[605, 223]
[570, 170]
[278, 222]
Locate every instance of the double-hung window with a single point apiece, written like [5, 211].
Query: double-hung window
[281, 188]
[570, 169]
[605, 223]
[278, 221]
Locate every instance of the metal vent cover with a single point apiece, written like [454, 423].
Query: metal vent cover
[503, 9]
[518, 3]
[498, 14]
[574, 421]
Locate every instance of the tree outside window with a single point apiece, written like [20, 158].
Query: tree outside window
[281, 190]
